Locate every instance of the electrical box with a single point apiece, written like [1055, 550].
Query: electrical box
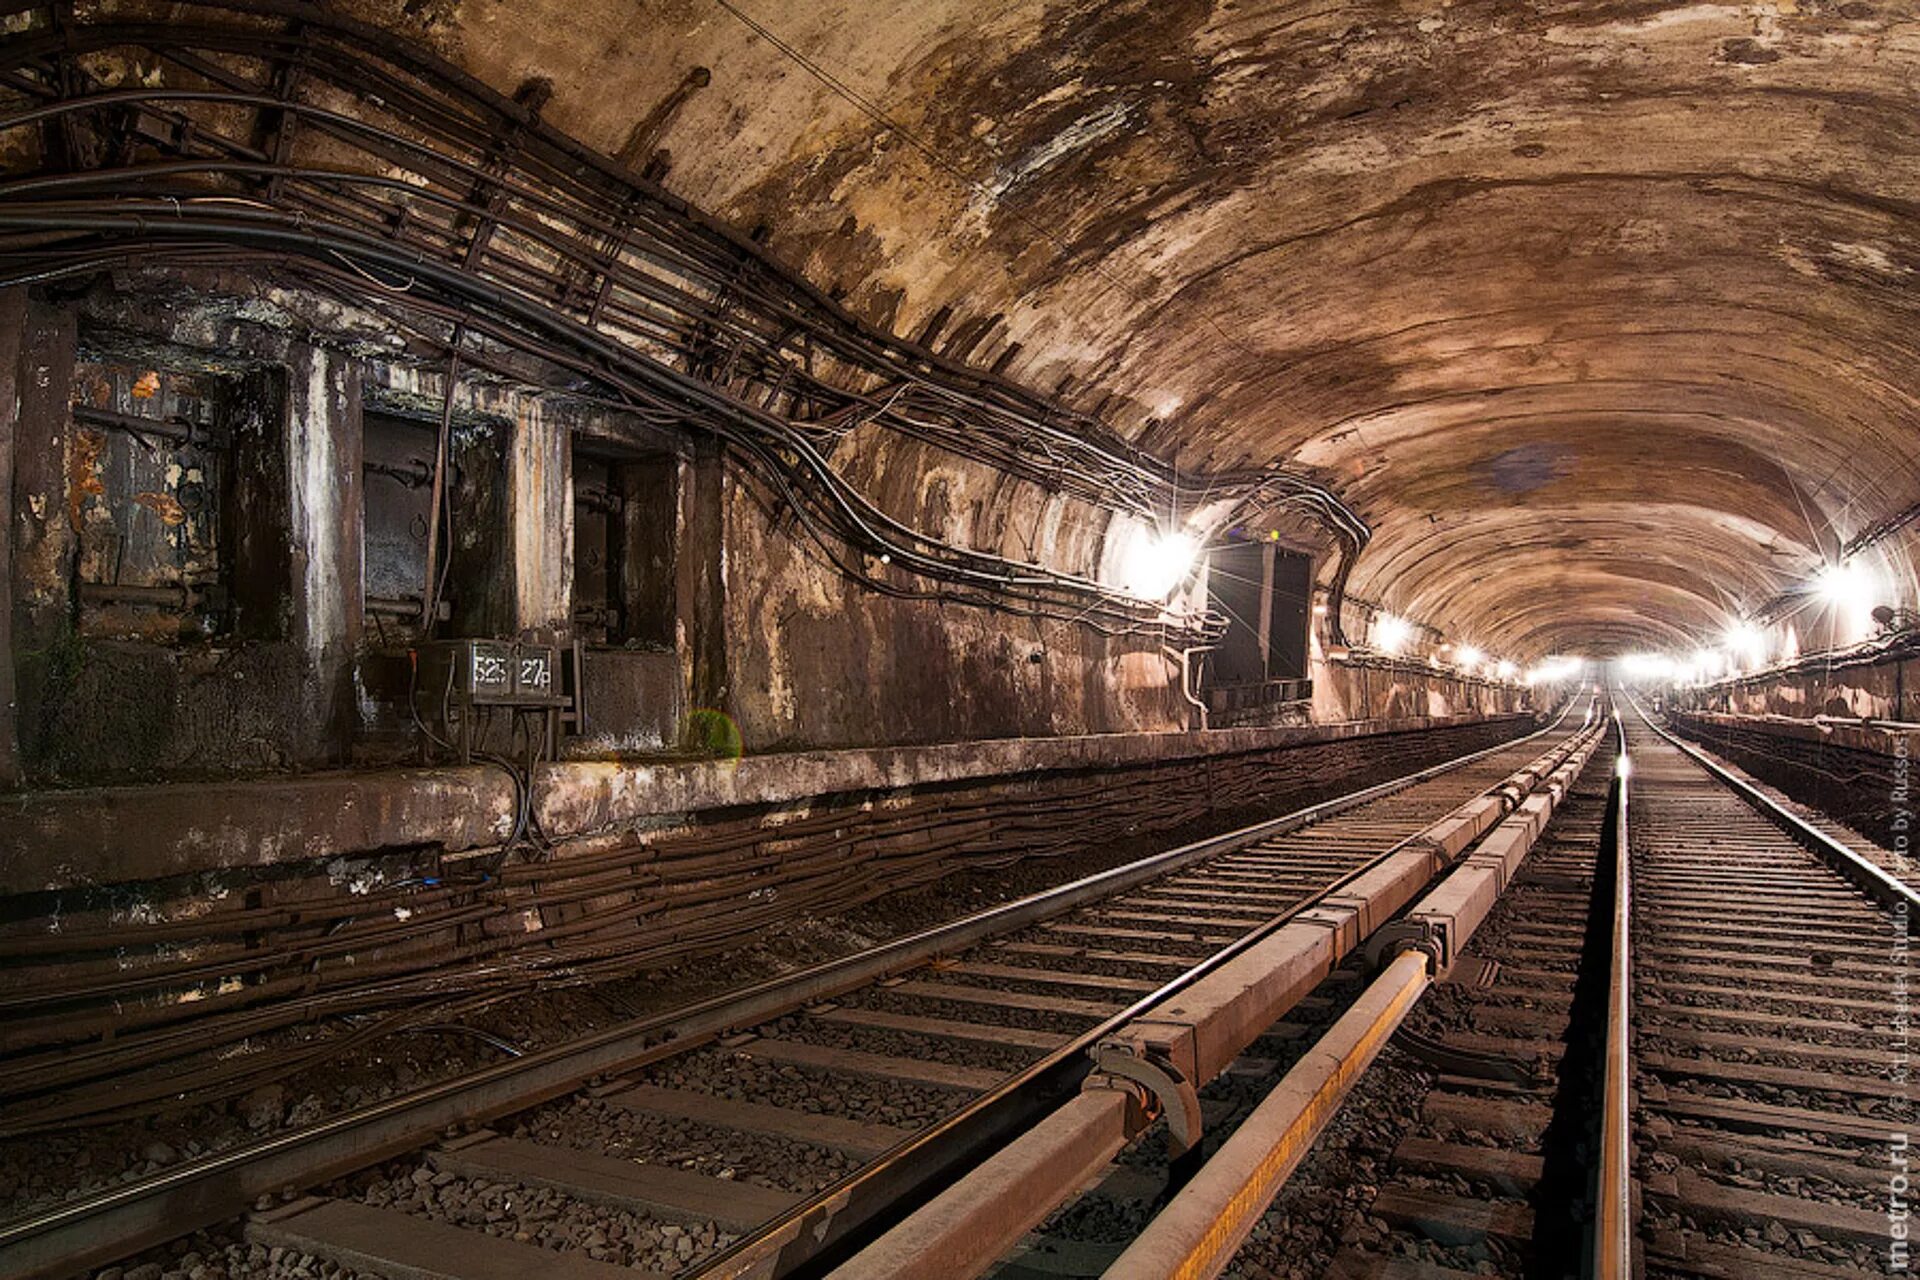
[463, 682]
[489, 673]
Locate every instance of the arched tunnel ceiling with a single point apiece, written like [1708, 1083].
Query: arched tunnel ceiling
[1606, 315]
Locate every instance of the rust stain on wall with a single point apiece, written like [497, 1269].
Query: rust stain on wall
[83, 474]
[164, 505]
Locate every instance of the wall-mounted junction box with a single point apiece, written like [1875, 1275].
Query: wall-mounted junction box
[458, 683]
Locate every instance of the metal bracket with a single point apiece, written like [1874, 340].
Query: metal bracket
[1179, 1103]
[1473, 1065]
[1390, 940]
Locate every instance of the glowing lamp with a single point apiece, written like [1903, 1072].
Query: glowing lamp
[1156, 563]
[1390, 634]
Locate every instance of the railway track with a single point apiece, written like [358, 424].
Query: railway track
[1460, 1153]
[1479, 1166]
[1768, 1051]
[772, 1130]
[1690, 1063]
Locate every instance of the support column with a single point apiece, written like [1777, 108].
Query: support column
[540, 506]
[257, 513]
[45, 514]
[324, 491]
[1267, 558]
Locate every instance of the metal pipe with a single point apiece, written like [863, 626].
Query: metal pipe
[1197, 1234]
[134, 425]
[1612, 1244]
[430, 591]
[1185, 657]
[404, 607]
[178, 596]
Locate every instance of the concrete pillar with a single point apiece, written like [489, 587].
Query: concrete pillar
[1267, 557]
[45, 537]
[323, 459]
[540, 507]
[257, 514]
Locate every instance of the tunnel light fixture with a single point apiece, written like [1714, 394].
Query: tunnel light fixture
[1746, 646]
[1157, 562]
[1848, 589]
[1468, 658]
[1391, 633]
[1506, 669]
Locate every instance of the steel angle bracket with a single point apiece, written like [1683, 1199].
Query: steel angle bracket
[1116, 1061]
[1389, 940]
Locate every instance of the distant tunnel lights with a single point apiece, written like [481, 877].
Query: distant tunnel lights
[1555, 669]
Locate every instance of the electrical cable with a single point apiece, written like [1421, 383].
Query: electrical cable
[709, 276]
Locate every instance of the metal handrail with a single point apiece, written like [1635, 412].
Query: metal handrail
[1611, 1255]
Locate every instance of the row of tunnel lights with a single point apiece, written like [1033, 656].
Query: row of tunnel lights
[1849, 592]
[1157, 565]
[1392, 634]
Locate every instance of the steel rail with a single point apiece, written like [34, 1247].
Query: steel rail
[112, 1223]
[836, 1222]
[1610, 1248]
[1876, 880]
[1196, 1235]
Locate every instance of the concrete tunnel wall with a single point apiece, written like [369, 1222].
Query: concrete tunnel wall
[799, 657]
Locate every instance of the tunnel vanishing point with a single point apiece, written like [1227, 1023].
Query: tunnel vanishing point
[529, 522]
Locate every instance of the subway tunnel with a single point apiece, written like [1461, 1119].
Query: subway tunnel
[719, 638]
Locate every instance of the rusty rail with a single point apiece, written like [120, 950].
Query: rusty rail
[1195, 1237]
[1611, 1246]
[1197, 1234]
[1874, 879]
